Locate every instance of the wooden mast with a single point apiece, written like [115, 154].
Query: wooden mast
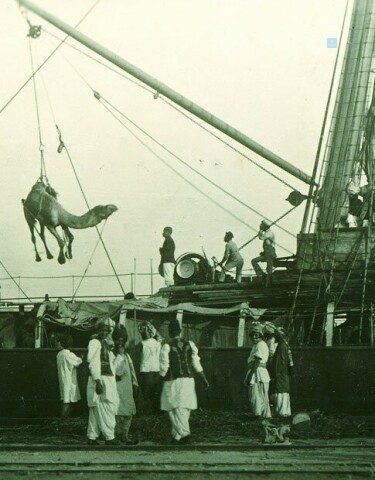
[169, 93]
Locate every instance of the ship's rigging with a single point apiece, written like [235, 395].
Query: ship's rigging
[331, 262]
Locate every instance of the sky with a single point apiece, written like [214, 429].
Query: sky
[263, 66]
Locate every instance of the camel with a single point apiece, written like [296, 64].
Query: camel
[41, 205]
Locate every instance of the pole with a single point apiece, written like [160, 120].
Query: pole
[135, 276]
[168, 92]
[152, 276]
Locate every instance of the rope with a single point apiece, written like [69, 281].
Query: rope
[156, 96]
[43, 171]
[89, 262]
[19, 90]
[13, 280]
[99, 97]
[193, 169]
[63, 145]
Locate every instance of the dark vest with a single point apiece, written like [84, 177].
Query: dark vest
[180, 364]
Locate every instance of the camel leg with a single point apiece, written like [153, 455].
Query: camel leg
[33, 239]
[42, 236]
[70, 237]
[60, 241]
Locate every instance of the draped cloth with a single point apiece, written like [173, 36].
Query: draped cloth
[103, 407]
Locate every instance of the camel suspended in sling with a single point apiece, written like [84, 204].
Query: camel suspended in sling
[41, 205]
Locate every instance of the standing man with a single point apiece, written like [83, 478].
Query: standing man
[232, 258]
[178, 361]
[102, 397]
[280, 367]
[269, 253]
[150, 366]
[257, 378]
[167, 260]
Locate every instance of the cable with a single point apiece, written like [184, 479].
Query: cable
[126, 77]
[193, 169]
[8, 102]
[13, 280]
[89, 262]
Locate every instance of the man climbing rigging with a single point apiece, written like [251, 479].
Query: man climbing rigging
[269, 253]
[167, 260]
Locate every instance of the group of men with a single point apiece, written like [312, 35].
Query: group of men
[232, 258]
[113, 380]
[167, 370]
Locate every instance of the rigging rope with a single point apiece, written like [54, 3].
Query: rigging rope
[13, 280]
[43, 171]
[157, 95]
[98, 96]
[19, 90]
[89, 262]
[194, 169]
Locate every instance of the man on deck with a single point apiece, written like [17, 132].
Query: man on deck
[269, 253]
[167, 260]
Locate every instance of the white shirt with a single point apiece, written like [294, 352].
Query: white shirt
[260, 351]
[150, 355]
[67, 363]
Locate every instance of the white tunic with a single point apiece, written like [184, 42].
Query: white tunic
[178, 393]
[109, 382]
[67, 363]
[260, 351]
[150, 355]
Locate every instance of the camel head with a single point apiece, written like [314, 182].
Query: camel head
[102, 212]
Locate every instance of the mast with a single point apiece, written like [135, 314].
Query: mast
[352, 102]
[169, 93]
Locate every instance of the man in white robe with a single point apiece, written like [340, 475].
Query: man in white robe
[102, 396]
[67, 363]
[178, 361]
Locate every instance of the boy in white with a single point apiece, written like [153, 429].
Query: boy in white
[102, 397]
[67, 363]
[178, 361]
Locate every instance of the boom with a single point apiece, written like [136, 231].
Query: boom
[168, 92]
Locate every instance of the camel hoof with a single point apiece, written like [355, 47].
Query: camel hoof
[67, 254]
[61, 259]
[49, 256]
[38, 259]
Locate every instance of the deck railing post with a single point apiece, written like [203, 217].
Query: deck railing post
[330, 319]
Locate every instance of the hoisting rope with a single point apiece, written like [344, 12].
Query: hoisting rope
[19, 90]
[156, 95]
[62, 146]
[43, 170]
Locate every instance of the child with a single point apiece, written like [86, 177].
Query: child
[67, 363]
[126, 382]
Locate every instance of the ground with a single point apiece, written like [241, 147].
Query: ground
[226, 445]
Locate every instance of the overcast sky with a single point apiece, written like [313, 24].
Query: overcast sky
[263, 66]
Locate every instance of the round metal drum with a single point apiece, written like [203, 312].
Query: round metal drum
[186, 268]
